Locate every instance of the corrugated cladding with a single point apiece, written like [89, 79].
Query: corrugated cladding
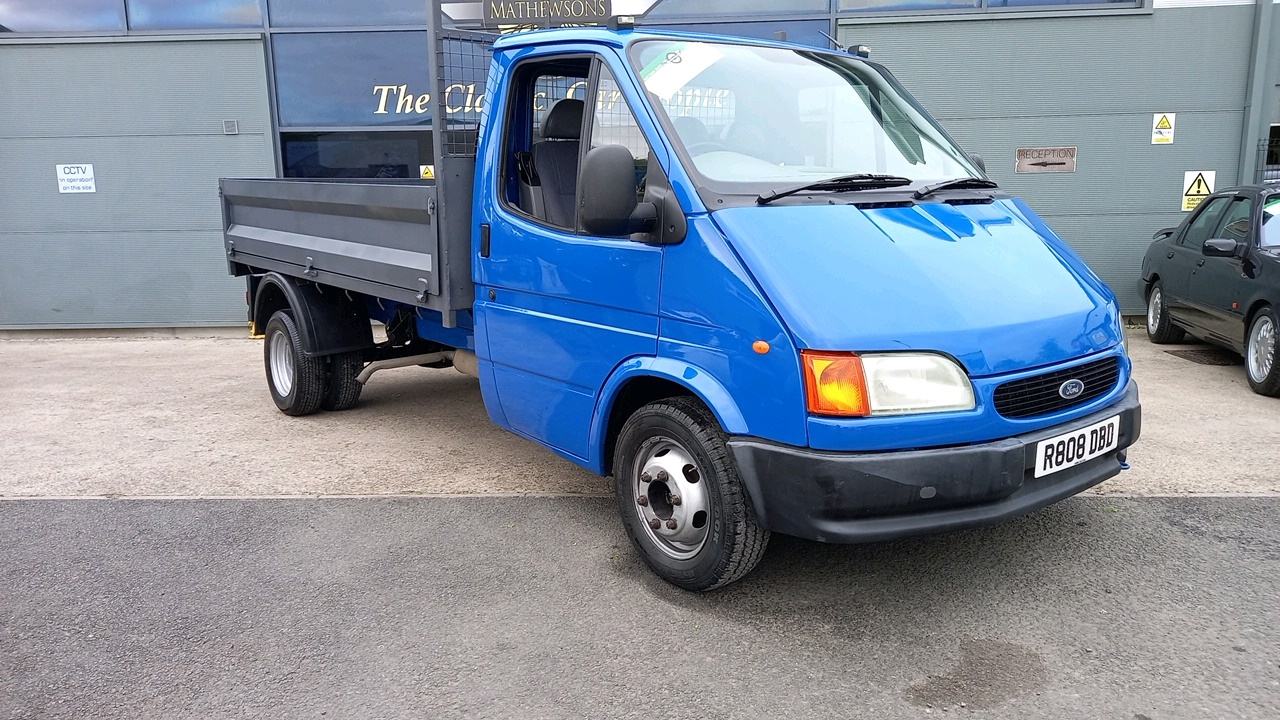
[145, 249]
[1092, 82]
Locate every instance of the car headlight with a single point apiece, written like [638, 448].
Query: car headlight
[848, 385]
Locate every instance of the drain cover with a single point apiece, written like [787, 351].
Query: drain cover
[1208, 356]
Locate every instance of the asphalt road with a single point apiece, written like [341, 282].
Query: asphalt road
[1128, 608]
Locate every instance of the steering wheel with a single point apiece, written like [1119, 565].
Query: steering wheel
[706, 146]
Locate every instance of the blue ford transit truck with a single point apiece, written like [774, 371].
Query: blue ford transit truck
[754, 282]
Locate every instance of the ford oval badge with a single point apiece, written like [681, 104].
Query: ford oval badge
[1071, 389]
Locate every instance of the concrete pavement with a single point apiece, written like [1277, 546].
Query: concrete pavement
[192, 416]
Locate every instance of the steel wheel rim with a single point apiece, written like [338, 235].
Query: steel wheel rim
[668, 487]
[281, 363]
[1262, 348]
[1153, 311]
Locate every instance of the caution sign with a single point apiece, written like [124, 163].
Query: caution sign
[1196, 184]
[1162, 128]
[428, 172]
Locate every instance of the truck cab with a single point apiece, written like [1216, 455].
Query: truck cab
[754, 282]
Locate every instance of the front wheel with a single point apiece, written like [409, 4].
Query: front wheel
[1260, 354]
[1160, 327]
[681, 499]
[296, 381]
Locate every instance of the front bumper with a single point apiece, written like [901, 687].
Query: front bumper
[864, 497]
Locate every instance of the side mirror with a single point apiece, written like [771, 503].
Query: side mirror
[607, 204]
[1162, 234]
[977, 160]
[1220, 247]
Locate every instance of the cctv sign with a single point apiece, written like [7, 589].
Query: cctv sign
[75, 178]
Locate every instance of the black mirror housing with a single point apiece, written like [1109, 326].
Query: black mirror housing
[977, 160]
[1163, 233]
[1220, 247]
[607, 202]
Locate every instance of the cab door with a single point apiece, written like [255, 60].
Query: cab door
[560, 308]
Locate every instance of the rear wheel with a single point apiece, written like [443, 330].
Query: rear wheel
[343, 391]
[1160, 327]
[1260, 353]
[296, 381]
[681, 499]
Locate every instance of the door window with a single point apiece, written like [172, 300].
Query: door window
[1203, 224]
[613, 123]
[1235, 221]
[1270, 233]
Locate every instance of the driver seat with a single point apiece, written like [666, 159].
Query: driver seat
[555, 160]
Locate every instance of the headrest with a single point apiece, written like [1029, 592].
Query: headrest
[564, 122]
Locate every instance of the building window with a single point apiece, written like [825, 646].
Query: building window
[905, 6]
[193, 14]
[355, 154]
[54, 16]
[352, 79]
[735, 8]
[365, 13]
[804, 32]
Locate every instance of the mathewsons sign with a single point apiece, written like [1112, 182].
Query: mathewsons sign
[524, 14]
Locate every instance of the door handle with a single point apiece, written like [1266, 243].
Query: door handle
[1200, 262]
[484, 240]
[1169, 255]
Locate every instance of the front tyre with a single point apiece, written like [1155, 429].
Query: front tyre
[681, 499]
[1260, 353]
[297, 382]
[1160, 327]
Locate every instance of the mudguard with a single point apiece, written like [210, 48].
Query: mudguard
[328, 321]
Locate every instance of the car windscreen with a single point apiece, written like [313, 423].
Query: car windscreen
[1269, 237]
[749, 117]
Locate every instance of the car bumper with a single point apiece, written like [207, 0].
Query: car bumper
[865, 497]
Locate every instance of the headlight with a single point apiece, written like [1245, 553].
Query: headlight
[847, 385]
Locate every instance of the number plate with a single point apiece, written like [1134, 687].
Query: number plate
[1077, 446]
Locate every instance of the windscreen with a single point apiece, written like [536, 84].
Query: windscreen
[750, 115]
[1270, 235]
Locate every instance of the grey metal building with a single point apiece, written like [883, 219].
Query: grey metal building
[163, 97]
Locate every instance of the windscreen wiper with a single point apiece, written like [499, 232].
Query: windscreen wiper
[957, 183]
[843, 183]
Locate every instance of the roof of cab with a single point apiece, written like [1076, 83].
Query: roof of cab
[620, 38]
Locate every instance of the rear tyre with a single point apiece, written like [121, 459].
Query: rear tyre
[1260, 353]
[297, 382]
[343, 391]
[1160, 327]
[681, 499]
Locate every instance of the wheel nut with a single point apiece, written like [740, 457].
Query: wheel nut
[646, 477]
[671, 524]
[655, 523]
[663, 476]
[674, 499]
[644, 501]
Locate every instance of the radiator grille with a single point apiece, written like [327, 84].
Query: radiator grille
[1039, 395]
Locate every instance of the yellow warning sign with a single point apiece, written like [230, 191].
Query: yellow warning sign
[1162, 128]
[428, 172]
[1196, 185]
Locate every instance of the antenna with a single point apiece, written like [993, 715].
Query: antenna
[833, 41]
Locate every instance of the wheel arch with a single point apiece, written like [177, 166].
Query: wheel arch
[328, 320]
[641, 381]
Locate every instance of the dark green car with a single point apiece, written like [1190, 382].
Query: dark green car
[1217, 277]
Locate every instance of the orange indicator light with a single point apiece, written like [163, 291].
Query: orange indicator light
[760, 346]
[835, 384]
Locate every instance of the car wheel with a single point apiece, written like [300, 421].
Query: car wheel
[343, 391]
[681, 499]
[296, 381]
[1160, 327]
[1260, 354]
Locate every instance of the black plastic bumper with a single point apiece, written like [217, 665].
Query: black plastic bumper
[864, 497]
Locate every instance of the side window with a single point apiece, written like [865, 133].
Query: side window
[543, 139]
[1235, 221]
[612, 123]
[1270, 233]
[1204, 223]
